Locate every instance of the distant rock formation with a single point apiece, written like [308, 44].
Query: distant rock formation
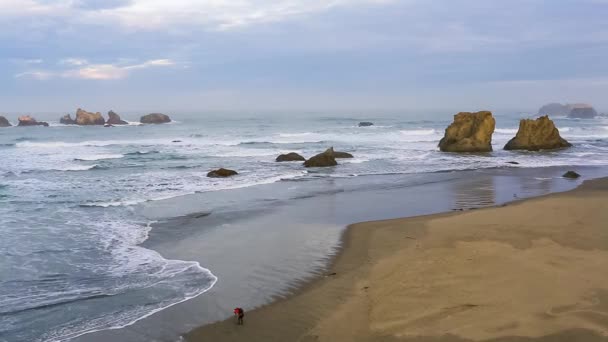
[67, 120]
[27, 120]
[582, 112]
[4, 122]
[292, 156]
[155, 118]
[85, 118]
[365, 124]
[342, 155]
[114, 119]
[222, 173]
[322, 159]
[470, 132]
[576, 111]
[539, 134]
[571, 174]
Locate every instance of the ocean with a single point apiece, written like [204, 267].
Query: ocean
[87, 214]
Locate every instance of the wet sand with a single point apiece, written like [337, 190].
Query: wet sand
[533, 270]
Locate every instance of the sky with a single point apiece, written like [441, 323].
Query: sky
[196, 55]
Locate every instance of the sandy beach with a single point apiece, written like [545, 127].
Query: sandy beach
[532, 270]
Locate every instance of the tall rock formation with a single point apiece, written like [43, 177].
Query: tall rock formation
[539, 134]
[470, 132]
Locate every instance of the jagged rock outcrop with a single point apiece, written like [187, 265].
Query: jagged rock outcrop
[67, 120]
[365, 124]
[575, 111]
[470, 132]
[155, 118]
[4, 122]
[292, 156]
[114, 119]
[222, 173]
[539, 134]
[27, 120]
[342, 155]
[571, 175]
[324, 159]
[85, 118]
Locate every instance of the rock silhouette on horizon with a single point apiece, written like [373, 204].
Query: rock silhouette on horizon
[575, 111]
[469, 132]
[84, 118]
[67, 120]
[155, 118]
[292, 156]
[222, 173]
[535, 135]
[114, 119]
[324, 159]
[4, 122]
[365, 124]
[27, 120]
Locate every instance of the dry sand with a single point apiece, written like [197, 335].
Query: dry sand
[535, 270]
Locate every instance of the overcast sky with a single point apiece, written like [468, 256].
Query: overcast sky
[184, 55]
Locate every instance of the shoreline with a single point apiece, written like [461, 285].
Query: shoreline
[351, 267]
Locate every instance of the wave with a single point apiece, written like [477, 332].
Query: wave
[100, 157]
[418, 131]
[140, 153]
[506, 130]
[80, 168]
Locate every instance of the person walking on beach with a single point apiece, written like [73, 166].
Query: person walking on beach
[239, 313]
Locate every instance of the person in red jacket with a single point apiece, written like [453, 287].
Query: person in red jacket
[239, 313]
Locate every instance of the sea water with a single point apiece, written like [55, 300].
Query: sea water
[71, 255]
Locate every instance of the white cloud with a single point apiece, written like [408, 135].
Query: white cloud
[156, 14]
[83, 70]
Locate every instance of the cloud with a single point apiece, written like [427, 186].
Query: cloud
[81, 69]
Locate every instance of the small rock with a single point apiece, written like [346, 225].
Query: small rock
[222, 173]
[4, 122]
[324, 159]
[27, 120]
[571, 175]
[513, 162]
[176, 141]
[108, 125]
[67, 120]
[292, 156]
[342, 155]
[155, 118]
[365, 124]
[114, 119]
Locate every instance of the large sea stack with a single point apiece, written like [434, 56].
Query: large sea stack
[114, 119]
[539, 134]
[4, 122]
[27, 120]
[324, 159]
[155, 118]
[85, 118]
[67, 120]
[470, 132]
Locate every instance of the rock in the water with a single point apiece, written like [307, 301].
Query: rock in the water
[322, 159]
[4, 122]
[67, 120]
[571, 174]
[539, 134]
[365, 124]
[108, 125]
[513, 162]
[576, 110]
[27, 120]
[85, 118]
[222, 173]
[582, 111]
[554, 109]
[292, 156]
[114, 119]
[470, 132]
[155, 118]
[342, 155]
